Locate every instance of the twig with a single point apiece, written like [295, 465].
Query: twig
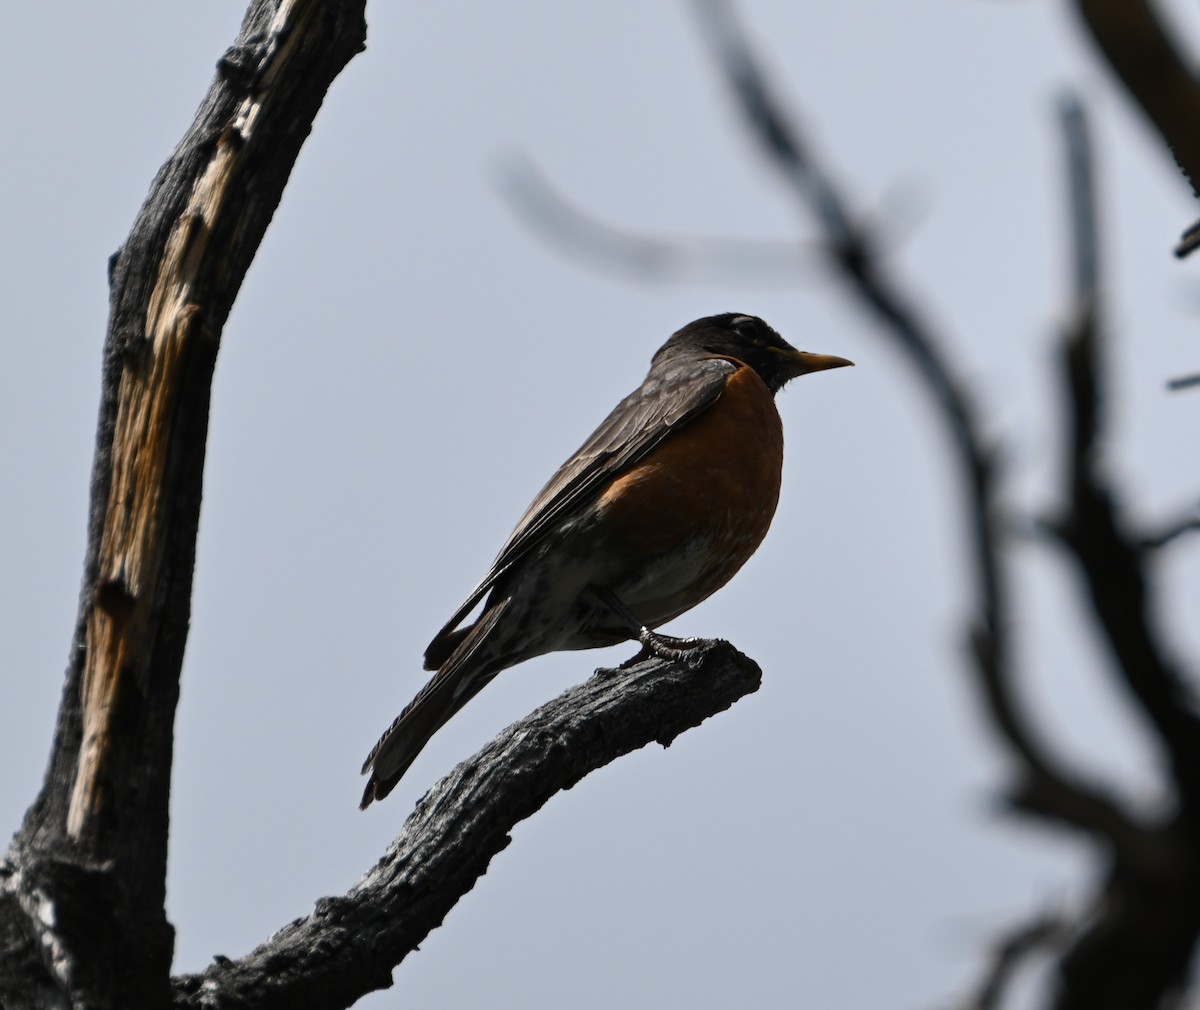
[1183, 382]
[643, 257]
[1010, 952]
[1189, 241]
[1081, 187]
[1170, 532]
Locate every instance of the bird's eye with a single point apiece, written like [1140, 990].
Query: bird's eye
[748, 329]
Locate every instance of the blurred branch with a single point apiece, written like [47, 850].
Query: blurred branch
[1135, 945]
[1081, 337]
[643, 257]
[853, 251]
[1045, 933]
[1189, 523]
[1081, 189]
[1134, 39]
[1189, 241]
[1183, 381]
[771, 127]
[1110, 556]
[349, 945]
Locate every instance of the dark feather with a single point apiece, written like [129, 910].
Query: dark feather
[455, 684]
[635, 426]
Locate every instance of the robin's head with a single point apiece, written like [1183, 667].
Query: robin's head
[748, 339]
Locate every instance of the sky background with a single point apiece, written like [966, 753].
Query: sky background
[832, 841]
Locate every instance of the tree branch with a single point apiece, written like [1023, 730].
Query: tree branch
[859, 264]
[1185, 381]
[1172, 531]
[1135, 944]
[84, 880]
[1132, 38]
[1139, 49]
[644, 257]
[852, 251]
[1110, 557]
[1010, 952]
[349, 945]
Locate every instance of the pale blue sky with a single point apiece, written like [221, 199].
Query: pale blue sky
[830, 842]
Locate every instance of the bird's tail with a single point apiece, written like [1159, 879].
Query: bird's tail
[463, 675]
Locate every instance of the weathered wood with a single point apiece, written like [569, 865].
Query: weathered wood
[82, 887]
[349, 945]
[81, 909]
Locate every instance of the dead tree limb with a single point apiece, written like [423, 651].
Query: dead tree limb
[81, 906]
[1010, 953]
[349, 945]
[859, 264]
[644, 257]
[1137, 46]
[1133, 943]
[1144, 55]
[82, 887]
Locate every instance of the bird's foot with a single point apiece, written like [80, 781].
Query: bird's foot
[653, 644]
[667, 646]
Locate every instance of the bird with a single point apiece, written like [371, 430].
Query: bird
[657, 510]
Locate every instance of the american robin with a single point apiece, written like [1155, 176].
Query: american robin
[655, 512]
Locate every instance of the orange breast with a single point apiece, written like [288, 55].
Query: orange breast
[708, 491]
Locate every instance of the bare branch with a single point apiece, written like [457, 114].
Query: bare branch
[1134, 947]
[857, 257]
[349, 946]
[1111, 557]
[780, 142]
[1137, 46]
[1081, 189]
[1183, 381]
[1135, 944]
[1010, 952]
[1083, 333]
[1142, 53]
[1170, 532]
[1139, 933]
[642, 257]
[854, 253]
[84, 880]
[1189, 241]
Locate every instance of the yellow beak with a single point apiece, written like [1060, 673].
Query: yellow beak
[802, 362]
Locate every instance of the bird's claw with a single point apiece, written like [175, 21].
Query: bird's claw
[667, 646]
